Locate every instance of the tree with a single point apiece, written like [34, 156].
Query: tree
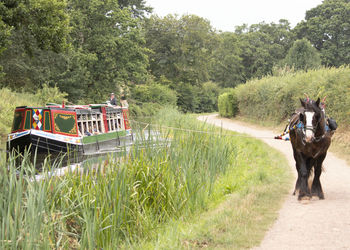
[263, 45]
[303, 56]
[108, 50]
[41, 23]
[180, 47]
[226, 65]
[137, 7]
[327, 27]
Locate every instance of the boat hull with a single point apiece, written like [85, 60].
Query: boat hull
[73, 149]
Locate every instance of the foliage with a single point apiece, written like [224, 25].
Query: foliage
[130, 197]
[154, 93]
[275, 98]
[263, 46]
[302, 56]
[107, 50]
[92, 48]
[327, 27]
[8, 102]
[50, 95]
[181, 47]
[226, 64]
[228, 104]
[147, 99]
[26, 18]
[208, 97]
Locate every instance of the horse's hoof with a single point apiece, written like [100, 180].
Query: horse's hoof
[315, 198]
[304, 200]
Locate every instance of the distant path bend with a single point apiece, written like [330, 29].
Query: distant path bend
[321, 224]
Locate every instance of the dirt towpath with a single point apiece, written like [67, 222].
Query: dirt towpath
[321, 224]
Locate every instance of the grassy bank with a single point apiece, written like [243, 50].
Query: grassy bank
[153, 191]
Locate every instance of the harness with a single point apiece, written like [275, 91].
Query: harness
[301, 127]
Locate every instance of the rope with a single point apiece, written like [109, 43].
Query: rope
[200, 131]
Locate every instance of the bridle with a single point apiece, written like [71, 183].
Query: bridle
[311, 128]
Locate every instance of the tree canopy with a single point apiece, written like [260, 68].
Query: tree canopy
[90, 48]
[327, 27]
[302, 56]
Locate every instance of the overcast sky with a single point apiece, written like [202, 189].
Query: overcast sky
[226, 14]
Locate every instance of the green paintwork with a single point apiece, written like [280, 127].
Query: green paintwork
[65, 123]
[17, 120]
[27, 124]
[103, 137]
[47, 122]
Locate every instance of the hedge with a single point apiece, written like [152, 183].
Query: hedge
[228, 106]
[276, 97]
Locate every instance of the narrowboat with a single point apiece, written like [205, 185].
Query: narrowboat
[78, 130]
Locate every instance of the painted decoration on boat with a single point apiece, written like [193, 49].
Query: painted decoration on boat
[65, 123]
[37, 119]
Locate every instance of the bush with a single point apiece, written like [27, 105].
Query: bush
[50, 95]
[228, 105]
[154, 93]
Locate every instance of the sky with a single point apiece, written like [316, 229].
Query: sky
[224, 15]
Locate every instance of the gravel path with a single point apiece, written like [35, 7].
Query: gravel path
[320, 224]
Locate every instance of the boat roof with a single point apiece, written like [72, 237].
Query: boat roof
[71, 107]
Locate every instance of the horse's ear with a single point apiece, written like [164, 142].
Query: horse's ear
[302, 102]
[318, 102]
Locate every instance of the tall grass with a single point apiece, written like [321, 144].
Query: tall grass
[124, 200]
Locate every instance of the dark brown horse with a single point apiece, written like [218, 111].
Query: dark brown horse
[310, 141]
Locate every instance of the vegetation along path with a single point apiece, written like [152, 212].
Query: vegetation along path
[320, 224]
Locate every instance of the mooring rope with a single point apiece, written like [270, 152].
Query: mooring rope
[200, 131]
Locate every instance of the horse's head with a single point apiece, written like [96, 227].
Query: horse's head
[312, 118]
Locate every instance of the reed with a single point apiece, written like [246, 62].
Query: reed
[118, 201]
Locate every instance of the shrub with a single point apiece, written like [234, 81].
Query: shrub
[154, 93]
[228, 105]
[50, 95]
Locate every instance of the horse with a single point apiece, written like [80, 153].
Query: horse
[310, 141]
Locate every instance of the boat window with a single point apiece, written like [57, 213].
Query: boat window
[27, 123]
[17, 120]
[47, 121]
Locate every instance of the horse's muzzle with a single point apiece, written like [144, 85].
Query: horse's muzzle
[309, 139]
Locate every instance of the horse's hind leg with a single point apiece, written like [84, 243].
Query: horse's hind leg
[316, 188]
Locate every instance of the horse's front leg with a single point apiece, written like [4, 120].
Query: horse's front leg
[297, 183]
[316, 188]
[303, 173]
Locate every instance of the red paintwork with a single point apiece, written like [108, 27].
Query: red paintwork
[126, 120]
[67, 113]
[104, 116]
